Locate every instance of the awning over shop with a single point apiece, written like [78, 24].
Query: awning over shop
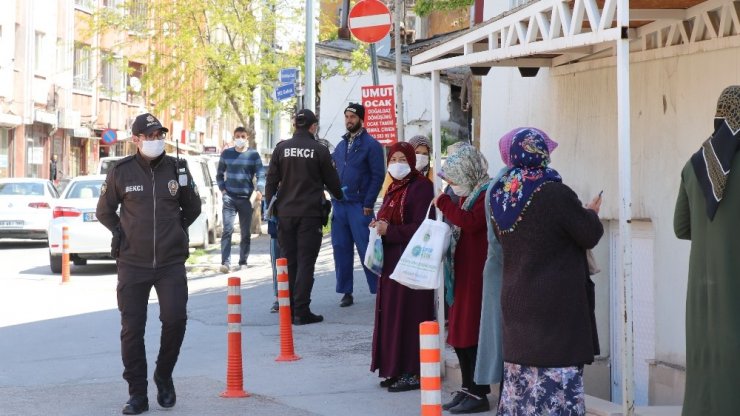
[10, 120]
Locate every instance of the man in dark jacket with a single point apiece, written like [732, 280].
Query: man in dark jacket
[158, 201]
[361, 165]
[300, 167]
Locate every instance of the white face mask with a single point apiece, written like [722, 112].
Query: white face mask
[399, 170]
[239, 143]
[460, 190]
[152, 148]
[421, 161]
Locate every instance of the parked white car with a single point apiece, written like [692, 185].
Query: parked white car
[25, 207]
[88, 238]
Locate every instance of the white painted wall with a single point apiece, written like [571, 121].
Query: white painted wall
[673, 104]
[338, 91]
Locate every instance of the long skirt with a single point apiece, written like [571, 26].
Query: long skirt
[542, 391]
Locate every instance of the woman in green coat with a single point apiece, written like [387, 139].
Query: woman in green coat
[708, 214]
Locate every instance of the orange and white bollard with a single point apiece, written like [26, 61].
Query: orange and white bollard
[431, 380]
[234, 374]
[287, 352]
[65, 254]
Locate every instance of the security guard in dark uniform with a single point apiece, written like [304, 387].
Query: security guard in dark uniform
[299, 169]
[158, 201]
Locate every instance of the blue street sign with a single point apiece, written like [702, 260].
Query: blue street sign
[109, 136]
[284, 92]
[288, 75]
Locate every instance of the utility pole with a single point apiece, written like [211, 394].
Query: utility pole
[399, 70]
[309, 100]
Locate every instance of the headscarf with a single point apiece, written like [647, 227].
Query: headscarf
[394, 200]
[421, 140]
[469, 168]
[504, 144]
[512, 193]
[713, 160]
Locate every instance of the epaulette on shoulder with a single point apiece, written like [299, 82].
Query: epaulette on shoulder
[123, 160]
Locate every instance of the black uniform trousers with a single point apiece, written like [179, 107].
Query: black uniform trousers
[300, 241]
[467, 357]
[134, 285]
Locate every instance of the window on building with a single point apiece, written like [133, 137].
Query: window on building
[82, 75]
[137, 12]
[111, 75]
[85, 5]
[134, 90]
[517, 3]
[38, 54]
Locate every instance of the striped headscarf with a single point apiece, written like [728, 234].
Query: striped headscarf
[713, 160]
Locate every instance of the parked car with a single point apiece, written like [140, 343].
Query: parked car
[88, 238]
[212, 161]
[106, 163]
[25, 207]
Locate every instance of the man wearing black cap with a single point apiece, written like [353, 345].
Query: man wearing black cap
[361, 165]
[158, 201]
[300, 167]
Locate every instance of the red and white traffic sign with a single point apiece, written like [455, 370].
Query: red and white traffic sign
[380, 113]
[370, 21]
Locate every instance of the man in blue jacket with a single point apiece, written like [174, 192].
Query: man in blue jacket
[361, 166]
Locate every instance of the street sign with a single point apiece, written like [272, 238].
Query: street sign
[370, 21]
[288, 75]
[284, 92]
[109, 137]
[380, 113]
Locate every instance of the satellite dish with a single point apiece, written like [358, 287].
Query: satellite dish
[135, 84]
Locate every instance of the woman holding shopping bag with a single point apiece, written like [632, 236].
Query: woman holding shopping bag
[546, 296]
[467, 173]
[398, 309]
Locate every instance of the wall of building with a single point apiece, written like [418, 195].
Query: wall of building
[338, 91]
[672, 107]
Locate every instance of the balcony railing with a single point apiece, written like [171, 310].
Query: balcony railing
[82, 83]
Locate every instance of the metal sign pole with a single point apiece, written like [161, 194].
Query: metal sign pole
[374, 63]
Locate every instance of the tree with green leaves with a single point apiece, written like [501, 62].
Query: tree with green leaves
[426, 7]
[204, 54]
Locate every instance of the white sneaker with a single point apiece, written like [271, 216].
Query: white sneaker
[224, 268]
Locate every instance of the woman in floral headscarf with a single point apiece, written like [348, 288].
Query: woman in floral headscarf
[548, 327]
[398, 309]
[467, 173]
[489, 362]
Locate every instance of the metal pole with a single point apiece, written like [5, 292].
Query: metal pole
[310, 101]
[437, 156]
[399, 72]
[374, 63]
[625, 207]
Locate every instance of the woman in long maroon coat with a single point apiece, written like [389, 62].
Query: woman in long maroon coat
[467, 173]
[399, 309]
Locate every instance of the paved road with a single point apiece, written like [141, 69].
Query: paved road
[59, 348]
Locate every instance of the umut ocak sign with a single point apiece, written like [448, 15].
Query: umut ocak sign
[380, 113]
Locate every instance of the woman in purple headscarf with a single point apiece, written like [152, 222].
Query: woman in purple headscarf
[548, 326]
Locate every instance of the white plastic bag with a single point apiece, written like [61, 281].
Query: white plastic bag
[420, 264]
[374, 253]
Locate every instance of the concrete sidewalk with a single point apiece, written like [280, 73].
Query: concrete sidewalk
[72, 366]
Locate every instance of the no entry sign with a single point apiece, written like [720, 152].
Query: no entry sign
[370, 21]
[380, 113]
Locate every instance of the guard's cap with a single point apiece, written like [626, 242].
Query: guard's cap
[145, 124]
[305, 118]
